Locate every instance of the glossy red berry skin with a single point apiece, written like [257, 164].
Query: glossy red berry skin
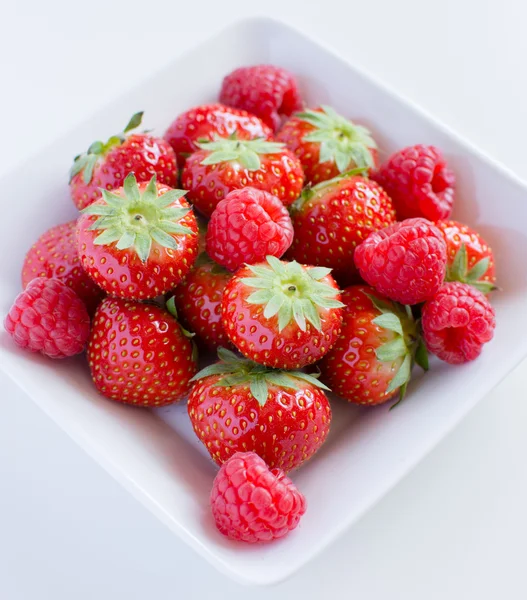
[122, 273]
[457, 322]
[50, 318]
[138, 354]
[198, 301]
[336, 218]
[351, 368]
[141, 154]
[247, 226]
[279, 174]
[269, 92]
[455, 235]
[251, 503]
[55, 255]
[419, 182]
[290, 427]
[405, 262]
[259, 339]
[208, 121]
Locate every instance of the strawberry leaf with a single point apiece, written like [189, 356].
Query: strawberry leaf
[341, 141]
[392, 350]
[421, 355]
[478, 270]
[389, 321]
[402, 376]
[258, 387]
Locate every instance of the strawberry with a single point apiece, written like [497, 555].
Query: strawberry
[198, 302]
[138, 241]
[281, 314]
[230, 164]
[469, 257]
[105, 165]
[373, 357]
[55, 255]
[138, 353]
[209, 121]
[335, 216]
[237, 405]
[327, 144]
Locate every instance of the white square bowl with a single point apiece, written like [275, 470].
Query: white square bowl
[155, 454]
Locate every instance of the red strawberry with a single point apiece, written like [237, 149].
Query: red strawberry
[419, 182]
[266, 91]
[138, 354]
[405, 261]
[252, 503]
[457, 322]
[247, 226]
[105, 165]
[237, 405]
[139, 241]
[55, 255]
[373, 357]
[50, 318]
[469, 257]
[209, 121]
[198, 302]
[229, 164]
[281, 314]
[327, 144]
[332, 218]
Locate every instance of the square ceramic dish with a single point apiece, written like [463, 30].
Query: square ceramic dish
[155, 454]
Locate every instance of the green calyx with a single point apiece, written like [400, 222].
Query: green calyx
[137, 219]
[291, 292]
[87, 161]
[236, 371]
[459, 271]
[407, 343]
[341, 141]
[246, 152]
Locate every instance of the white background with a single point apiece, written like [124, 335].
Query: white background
[456, 527]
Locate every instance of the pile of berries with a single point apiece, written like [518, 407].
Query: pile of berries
[292, 250]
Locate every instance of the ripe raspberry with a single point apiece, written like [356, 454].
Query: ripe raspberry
[419, 182]
[55, 254]
[251, 503]
[49, 317]
[457, 322]
[266, 91]
[405, 261]
[246, 226]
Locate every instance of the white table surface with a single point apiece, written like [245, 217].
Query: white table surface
[456, 526]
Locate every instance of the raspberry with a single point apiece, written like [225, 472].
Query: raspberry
[246, 226]
[49, 317]
[55, 254]
[419, 182]
[251, 503]
[457, 323]
[266, 91]
[405, 261]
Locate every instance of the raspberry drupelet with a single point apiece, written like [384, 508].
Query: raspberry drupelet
[251, 503]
